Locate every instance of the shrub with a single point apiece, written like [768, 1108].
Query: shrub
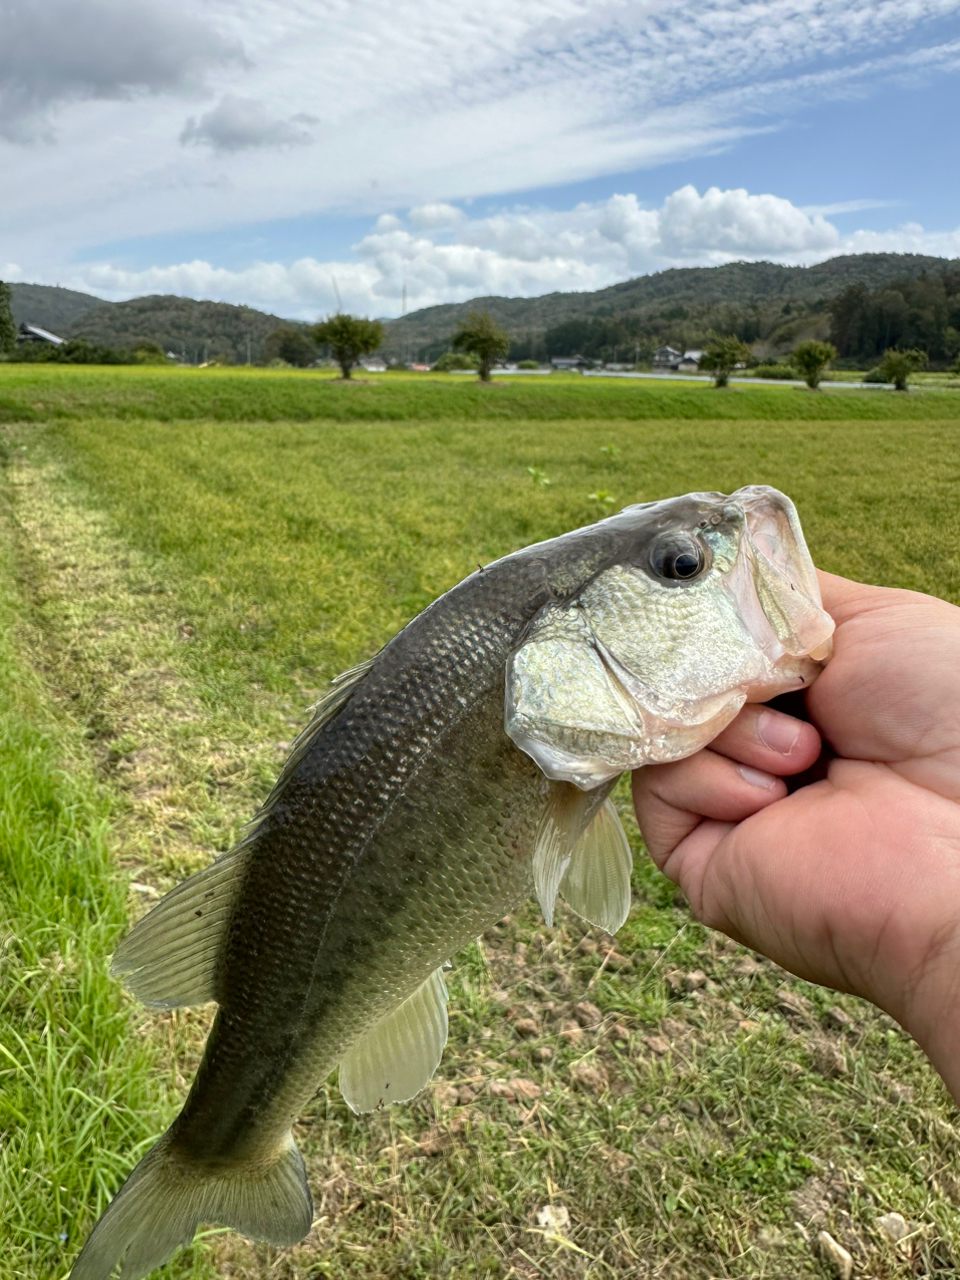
[896, 366]
[290, 345]
[781, 371]
[812, 358]
[456, 360]
[149, 353]
[529, 364]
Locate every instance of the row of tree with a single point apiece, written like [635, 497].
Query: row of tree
[921, 313]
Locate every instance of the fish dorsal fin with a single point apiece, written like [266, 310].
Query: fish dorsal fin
[395, 1060]
[559, 831]
[170, 958]
[596, 884]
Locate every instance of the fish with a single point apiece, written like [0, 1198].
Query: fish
[439, 784]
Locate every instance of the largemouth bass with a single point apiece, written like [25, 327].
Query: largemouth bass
[465, 766]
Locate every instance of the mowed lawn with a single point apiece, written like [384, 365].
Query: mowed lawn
[190, 556]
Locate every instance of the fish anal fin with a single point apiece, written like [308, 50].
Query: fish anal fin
[170, 958]
[596, 884]
[560, 828]
[393, 1061]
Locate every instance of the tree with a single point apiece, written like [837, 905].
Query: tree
[481, 335]
[292, 346]
[348, 337]
[896, 366]
[8, 330]
[721, 356]
[811, 358]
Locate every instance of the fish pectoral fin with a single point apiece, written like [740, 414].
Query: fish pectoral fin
[559, 831]
[596, 884]
[170, 958]
[395, 1060]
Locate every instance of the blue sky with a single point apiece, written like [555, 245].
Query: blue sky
[275, 152]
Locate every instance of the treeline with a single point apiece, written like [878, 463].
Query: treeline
[193, 332]
[921, 313]
[80, 351]
[633, 336]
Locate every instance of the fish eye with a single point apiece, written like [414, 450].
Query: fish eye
[677, 558]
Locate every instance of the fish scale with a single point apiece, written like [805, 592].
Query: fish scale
[466, 765]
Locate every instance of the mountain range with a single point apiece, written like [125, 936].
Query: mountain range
[767, 304]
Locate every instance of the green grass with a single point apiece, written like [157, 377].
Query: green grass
[300, 547]
[30, 393]
[77, 1091]
[189, 587]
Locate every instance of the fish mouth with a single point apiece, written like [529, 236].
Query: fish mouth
[775, 583]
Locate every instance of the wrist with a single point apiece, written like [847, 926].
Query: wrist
[930, 1010]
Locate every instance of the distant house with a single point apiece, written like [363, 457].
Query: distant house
[561, 363]
[372, 364]
[666, 358]
[690, 362]
[33, 333]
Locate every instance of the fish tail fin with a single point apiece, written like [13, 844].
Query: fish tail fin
[165, 1199]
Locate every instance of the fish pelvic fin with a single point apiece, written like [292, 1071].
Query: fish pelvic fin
[166, 1198]
[596, 884]
[394, 1060]
[562, 824]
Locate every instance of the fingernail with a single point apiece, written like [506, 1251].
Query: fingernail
[756, 778]
[779, 733]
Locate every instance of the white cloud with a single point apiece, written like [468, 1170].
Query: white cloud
[735, 223]
[236, 124]
[60, 51]
[848, 206]
[525, 252]
[423, 105]
[429, 216]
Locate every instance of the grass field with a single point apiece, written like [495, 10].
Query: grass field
[187, 558]
[33, 393]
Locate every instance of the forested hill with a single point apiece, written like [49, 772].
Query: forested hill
[698, 295]
[192, 330]
[863, 302]
[51, 307]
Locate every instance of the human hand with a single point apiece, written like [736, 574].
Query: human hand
[854, 880]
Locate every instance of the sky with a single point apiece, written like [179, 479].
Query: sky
[301, 156]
